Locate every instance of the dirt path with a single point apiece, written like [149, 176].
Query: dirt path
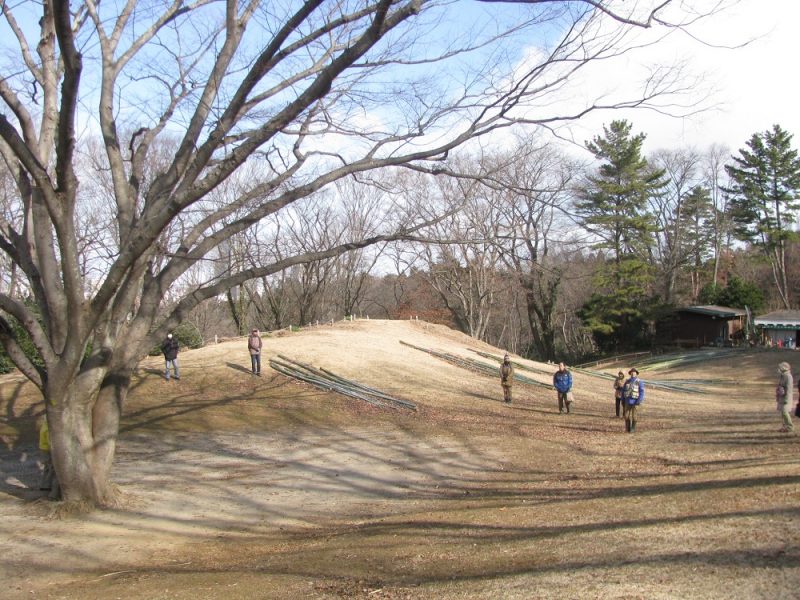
[240, 487]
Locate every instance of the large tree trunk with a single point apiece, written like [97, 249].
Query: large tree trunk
[540, 311]
[83, 419]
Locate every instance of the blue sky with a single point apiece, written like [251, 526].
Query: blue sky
[755, 86]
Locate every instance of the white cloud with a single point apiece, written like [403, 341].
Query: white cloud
[755, 86]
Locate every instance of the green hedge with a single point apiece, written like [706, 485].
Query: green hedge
[187, 335]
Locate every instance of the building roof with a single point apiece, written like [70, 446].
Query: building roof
[715, 311]
[779, 319]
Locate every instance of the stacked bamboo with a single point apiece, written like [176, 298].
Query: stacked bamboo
[327, 380]
[499, 359]
[680, 359]
[475, 365]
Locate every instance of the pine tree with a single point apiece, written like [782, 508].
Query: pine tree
[613, 207]
[613, 203]
[697, 217]
[764, 198]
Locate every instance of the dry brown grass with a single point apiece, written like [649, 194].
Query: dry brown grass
[246, 487]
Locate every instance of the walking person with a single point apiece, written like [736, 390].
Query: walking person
[254, 345]
[170, 349]
[562, 381]
[619, 383]
[632, 396]
[783, 395]
[506, 378]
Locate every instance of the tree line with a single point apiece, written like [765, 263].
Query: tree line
[549, 256]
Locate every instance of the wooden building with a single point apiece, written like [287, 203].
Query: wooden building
[696, 326]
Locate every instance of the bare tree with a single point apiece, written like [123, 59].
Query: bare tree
[531, 187]
[361, 216]
[461, 267]
[680, 169]
[295, 91]
[716, 180]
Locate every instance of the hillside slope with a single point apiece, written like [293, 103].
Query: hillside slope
[237, 486]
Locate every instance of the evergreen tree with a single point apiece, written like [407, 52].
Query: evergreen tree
[613, 207]
[737, 294]
[698, 219]
[764, 198]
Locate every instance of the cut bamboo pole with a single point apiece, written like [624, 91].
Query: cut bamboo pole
[474, 365]
[330, 381]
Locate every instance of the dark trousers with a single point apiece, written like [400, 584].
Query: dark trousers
[49, 480]
[255, 361]
[507, 393]
[563, 401]
[618, 403]
[629, 412]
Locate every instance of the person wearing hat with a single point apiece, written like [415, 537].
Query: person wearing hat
[170, 349]
[254, 347]
[506, 378]
[783, 395]
[562, 381]
[632, 396]
[619, 383]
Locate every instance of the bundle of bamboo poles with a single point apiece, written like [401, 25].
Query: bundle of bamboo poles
[474, 365]
[680, 359]
[327, 380]
[499, 359]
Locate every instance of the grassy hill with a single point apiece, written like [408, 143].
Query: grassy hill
[242, 487]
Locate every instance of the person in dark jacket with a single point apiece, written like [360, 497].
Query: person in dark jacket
[170, 349]
[254, 345]
[506, 378]
[619, 383]
[562, 381]
[632, 396]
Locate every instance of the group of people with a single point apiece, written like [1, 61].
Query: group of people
[628, 393]
[170, 349]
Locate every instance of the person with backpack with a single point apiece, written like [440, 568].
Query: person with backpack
[632, 396]
[562, 381]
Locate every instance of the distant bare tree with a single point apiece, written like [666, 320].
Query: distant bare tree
[361, 217]
[462, 267]
[682, 174]
[715, 180]
[531, 188]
